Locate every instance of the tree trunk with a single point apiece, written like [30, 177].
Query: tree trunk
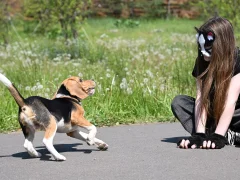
[168, 9]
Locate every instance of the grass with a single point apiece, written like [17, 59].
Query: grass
[138, 70]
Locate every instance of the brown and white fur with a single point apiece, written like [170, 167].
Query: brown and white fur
[63, 114]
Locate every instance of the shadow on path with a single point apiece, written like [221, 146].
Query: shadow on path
[173, 139]
[46, 156]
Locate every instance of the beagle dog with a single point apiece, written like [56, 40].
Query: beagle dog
[63, 114]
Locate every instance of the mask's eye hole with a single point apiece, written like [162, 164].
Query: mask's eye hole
[208, 47]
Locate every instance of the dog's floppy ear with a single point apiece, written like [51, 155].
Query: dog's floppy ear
[73, 85]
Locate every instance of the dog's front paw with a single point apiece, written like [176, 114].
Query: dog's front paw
[102, 146]
[34, 154]
[90, 142]
[60, 158]
[38, 155]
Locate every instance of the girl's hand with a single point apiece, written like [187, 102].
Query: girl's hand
[214, 141]
[195, 141]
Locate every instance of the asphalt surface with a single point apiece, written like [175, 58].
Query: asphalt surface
[136, 152]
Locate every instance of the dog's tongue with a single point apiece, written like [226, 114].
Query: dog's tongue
[92, 91]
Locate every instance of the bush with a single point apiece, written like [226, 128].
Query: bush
[226, 8]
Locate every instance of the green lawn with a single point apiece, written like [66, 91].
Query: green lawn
[138, 70]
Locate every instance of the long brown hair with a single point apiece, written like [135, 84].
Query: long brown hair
[216, 78]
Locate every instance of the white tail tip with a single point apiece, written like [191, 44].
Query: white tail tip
[5, 80]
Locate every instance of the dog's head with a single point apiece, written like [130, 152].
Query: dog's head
[76, 88]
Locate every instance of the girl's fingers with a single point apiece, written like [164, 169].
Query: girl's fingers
[213, 145]
[186, 144]
[182, 143]
[194, 146]
[204, 144]
[209, 144]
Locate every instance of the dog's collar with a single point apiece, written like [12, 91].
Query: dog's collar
[75, 99]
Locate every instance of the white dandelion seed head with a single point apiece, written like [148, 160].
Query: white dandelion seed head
[108, 75]
[39, 86]
[27, 88]
[129, 90]
[149, 73]
[123, 84]
[34, 88]
[145, 80]
[80, 75]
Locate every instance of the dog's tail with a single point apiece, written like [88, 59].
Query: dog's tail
[13, 90]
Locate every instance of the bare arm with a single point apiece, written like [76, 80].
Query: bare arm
[200, 123]
[200, 119]
[232, 96]
[217, 140]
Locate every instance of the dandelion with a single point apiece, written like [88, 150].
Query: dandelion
[57, 58]
[103, 36]
[145, 53]
[76, 64]
[129, 90]
[108, 75]
[149, 73]
[161, 56]
[131, 81]
[123, 84]
[56, 79]
[80, 75]
[145, 80]
[39, 86]
[34, 88]
[46, 95]
[27, 88]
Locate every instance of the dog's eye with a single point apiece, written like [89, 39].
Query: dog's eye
[80, 80]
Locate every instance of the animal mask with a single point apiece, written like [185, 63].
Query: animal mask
[205, 41]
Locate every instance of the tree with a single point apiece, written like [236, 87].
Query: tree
[226, 8]
[4, 21]
[65, 12]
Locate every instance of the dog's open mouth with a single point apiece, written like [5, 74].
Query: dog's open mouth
[91, 91]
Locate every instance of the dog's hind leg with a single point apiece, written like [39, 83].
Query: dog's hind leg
[48, 139]
[28, 144]
[84, 136]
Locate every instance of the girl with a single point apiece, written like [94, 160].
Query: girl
[213, 118]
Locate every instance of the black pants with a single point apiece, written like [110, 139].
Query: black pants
[183, 109]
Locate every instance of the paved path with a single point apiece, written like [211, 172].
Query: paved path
[137, 152]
